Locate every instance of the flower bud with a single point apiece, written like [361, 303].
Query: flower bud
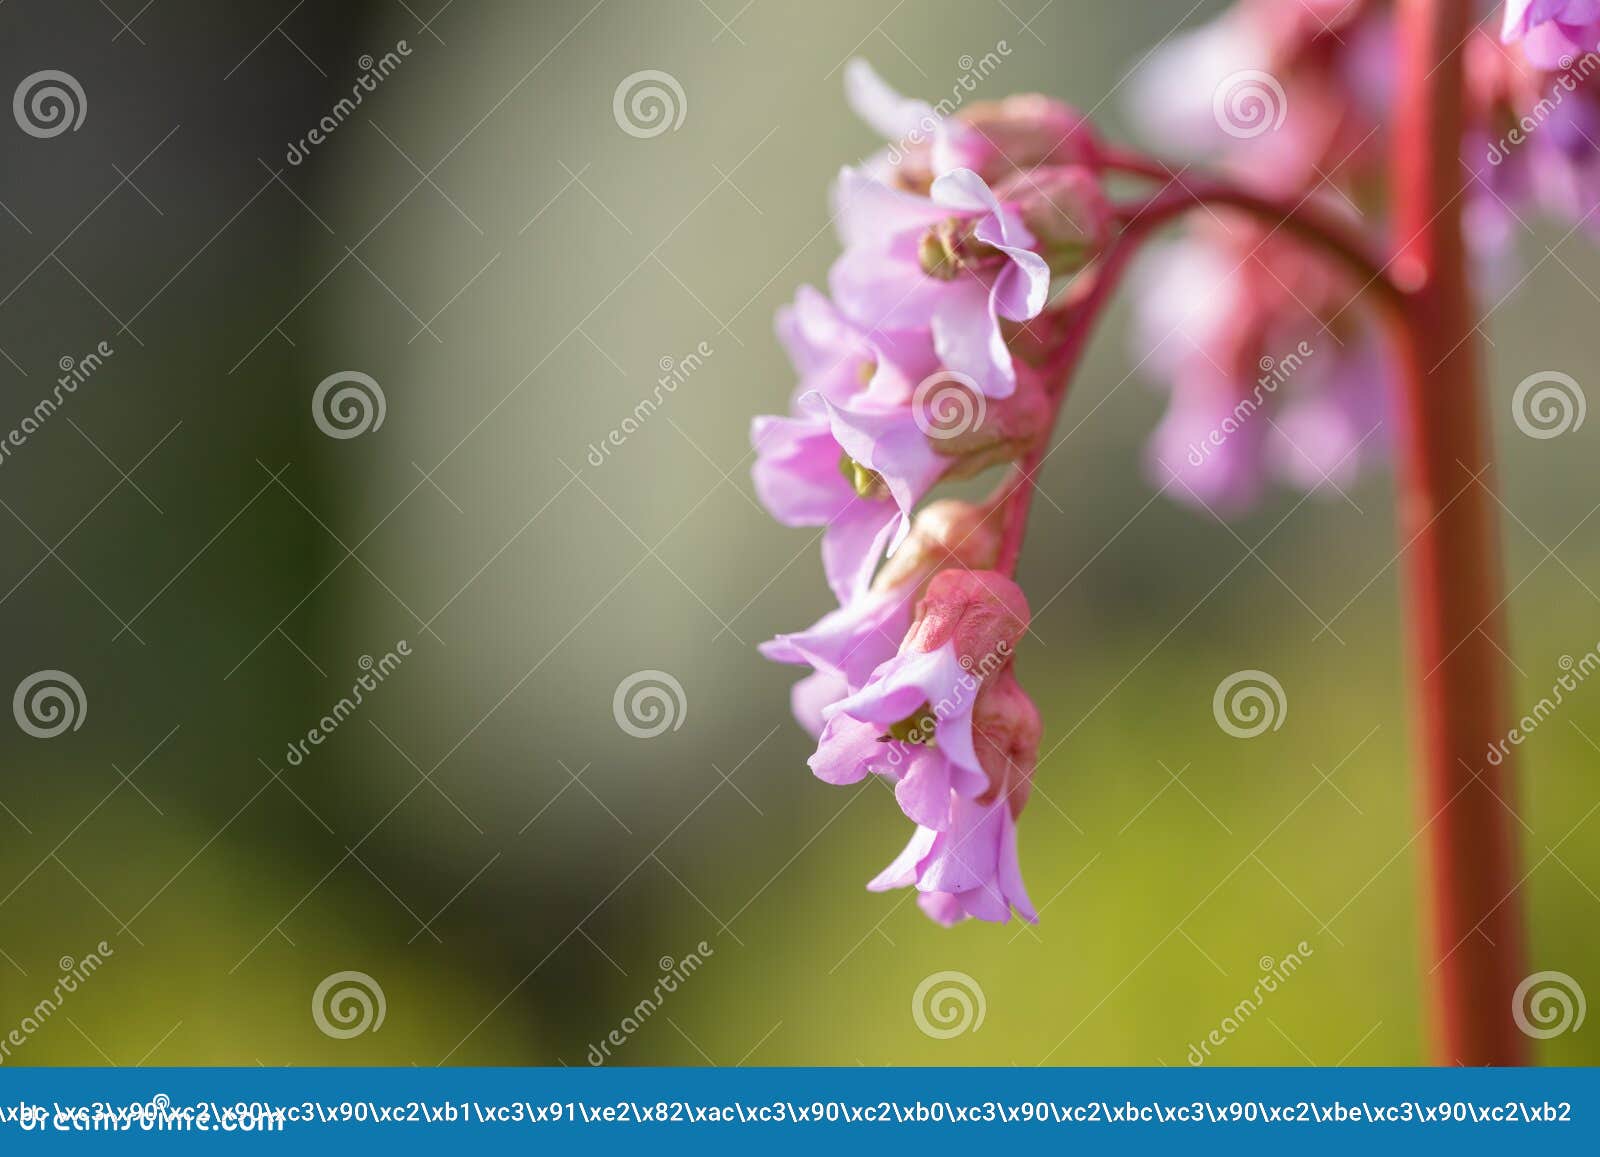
[1006, 730]
[948, 532]
[982, 612]
[1066, 211]
[995, 139]
[980, 432]
[1029, 130]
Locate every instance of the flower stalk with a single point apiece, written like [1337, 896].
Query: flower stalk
[1453, 593]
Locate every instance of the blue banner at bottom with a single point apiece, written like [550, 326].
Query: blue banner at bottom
[504, 1110]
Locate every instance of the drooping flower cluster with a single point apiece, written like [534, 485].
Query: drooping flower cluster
[909, 375]
[937, 354]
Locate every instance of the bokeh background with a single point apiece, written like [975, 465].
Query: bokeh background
[481, 838]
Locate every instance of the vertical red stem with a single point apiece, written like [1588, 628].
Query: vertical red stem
[1453, 594]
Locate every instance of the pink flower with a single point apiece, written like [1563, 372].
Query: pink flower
[813, 695]
[953, 263]
[1533, 146]
[847, 644]
[911, 126]
[912, 722]
[1284, 96]
[1272, 376]
[849, 457]
[912, 718]
[798, 478]
[1553, 32]
[841, 360]
[992, 138]
[968, 869]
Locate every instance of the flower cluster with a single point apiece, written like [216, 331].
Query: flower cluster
[923, 364]
[1535, 140]
[1291, 100]
[1274, 371]
[937, 353]
[1553, 33]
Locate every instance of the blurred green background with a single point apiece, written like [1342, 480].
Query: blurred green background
[481, 838]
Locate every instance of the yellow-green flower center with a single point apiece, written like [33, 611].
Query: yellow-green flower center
[918, 727]
[867, 483]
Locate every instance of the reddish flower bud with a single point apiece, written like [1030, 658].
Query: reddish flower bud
[1030, 130]
[983, 613]
[945, 533]
[1065, 209]
[1005, 731]
[980, 432]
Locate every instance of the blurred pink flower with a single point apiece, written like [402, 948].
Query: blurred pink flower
[1553, 33]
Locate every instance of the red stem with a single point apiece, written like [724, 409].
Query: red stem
[1445, 516]
[1453, 590]
[1306, 219]
[1138, 221]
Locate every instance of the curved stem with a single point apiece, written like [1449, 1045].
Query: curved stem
[1136, 164]
[1453, 588]
[1308, 221]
